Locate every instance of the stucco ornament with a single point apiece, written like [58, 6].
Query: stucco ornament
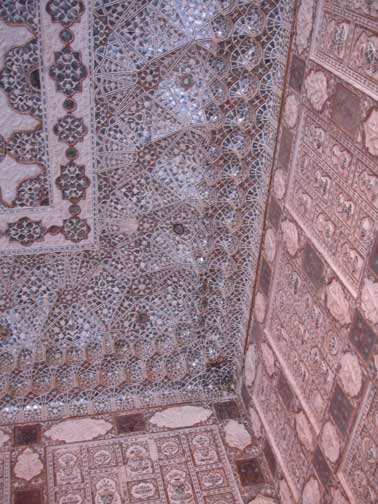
[337, 303]
[180, 416]
[330, 442]
[371, 132]
[375, 360]
[338, 497]
[291, 111]
[285, 493]
[290, 236]
[268, 358]
[350, 374]
[262, 499]
[369, 300]
[304, 432]
[81, 429]
[311, 492]
[250, 365]
[304, 24]
[260, 307]
[316, 89]
[28, 465]
[270, 245]
[279, 183]
[255, 422]
[236, 435]
[4, 437]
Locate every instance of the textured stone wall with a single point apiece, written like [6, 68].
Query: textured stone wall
[312, 356]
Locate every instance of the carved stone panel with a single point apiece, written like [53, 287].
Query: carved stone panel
[277, 423]
[332, 195]
[160, 468]
[358, 469]
[346, 42]
[5, 478]
[305, 336]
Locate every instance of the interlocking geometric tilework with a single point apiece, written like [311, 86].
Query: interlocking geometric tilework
[165, 123]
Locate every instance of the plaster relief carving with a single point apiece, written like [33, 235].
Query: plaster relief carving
[291, 110]
[338, 35]
[365, 54]
[12, 174]
[352, 261]
[371, 132]
[250, 365]
[28, 465]
[337, 303]
[270, 245]
[4, 437]
[290, 236]
[333, 36]
[311, 492]
[365, 229]
[106, 491]
[330, 442]
[285, 493]
[304, 432]
[345, 208]
[237, 435]
[361, 6]
[82, 429]
[303, 203]
[262, 499]
[322, 184]
[316, 89]
[180, 416]
[260, 307]
[341, 159]
[338, 497]
[316, 137]
[368, 185]
[369, 300]
[256, 422]
[304, 24]
[350, 374]
[268, 358]
[279, 183]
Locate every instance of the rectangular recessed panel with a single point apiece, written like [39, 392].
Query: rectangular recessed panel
[159, 468]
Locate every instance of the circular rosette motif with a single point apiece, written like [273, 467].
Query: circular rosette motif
[75, 229]
[245, 87]
[70, 129]
[72, 181]
[252, 23]
[27, 146]
[66, 12]
[25, 231]
[20, 79]
[20, 13]
[68, 71]
[246, 56]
